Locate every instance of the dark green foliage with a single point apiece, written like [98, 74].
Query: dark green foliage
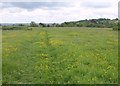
[33, 24]
[14, 27]
[21, 25]
[42, 25]
[116, 26]
[101, 23]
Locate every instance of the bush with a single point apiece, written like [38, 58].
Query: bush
[116, 27]
[14, 27]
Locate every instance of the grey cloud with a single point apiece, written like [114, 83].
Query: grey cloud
[34, 5]
[96, 4]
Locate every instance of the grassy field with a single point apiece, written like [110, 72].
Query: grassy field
[60, 55]
[0, 56]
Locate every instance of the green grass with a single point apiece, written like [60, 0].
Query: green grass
[0, 56]
[60, 55]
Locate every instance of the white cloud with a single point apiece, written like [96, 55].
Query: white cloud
[78, 9]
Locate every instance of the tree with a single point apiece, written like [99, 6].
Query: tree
[42, 25]
[21, 25]
[33, 24]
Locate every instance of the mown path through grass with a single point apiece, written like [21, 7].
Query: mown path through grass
[35, 60]
[60, 56]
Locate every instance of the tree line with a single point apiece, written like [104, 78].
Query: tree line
[100, 23]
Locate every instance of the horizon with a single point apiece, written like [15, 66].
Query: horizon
[49, 22]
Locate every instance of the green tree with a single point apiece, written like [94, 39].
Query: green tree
[33, 24]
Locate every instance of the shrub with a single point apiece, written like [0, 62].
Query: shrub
[14, 27]
[115, 27]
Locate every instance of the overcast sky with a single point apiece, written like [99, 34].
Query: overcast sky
[49, 11]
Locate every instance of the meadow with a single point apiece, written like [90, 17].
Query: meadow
[0, 56]
[60, 55]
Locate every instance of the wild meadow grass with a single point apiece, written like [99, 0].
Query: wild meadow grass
[60, 56]
[0, 56]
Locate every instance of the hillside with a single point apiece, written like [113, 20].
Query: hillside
[101, 22]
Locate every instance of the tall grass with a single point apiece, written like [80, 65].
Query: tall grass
[60, 55]
[0, 57]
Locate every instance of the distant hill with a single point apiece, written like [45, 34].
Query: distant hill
[101, 22]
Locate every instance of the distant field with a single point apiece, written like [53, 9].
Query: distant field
[60, 55]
